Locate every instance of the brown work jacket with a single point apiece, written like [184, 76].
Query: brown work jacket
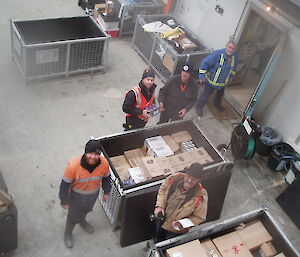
[195, 209]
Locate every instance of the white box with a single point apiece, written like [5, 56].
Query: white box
[157, 147]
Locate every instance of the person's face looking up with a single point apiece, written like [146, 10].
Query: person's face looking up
[92, 158]
[189, 182]
[148, 82]
[185, 76]
[230, 48]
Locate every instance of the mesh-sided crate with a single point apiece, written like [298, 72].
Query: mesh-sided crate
[58, 47]
[154, 49]
[128, 10]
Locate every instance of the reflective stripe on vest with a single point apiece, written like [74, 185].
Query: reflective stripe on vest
[85, 192]
[221, 62]
[139, 103]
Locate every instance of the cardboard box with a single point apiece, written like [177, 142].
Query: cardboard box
[157, 147]
[185, 43]
[200, 155]
[210, 249]
[181, 136]
[157, 166]
[190, 249]
[121, 166]
[267, 250]
[134, 157]
[254, 234]
[168, 62]
[231, 245]
[171, 143]
[180, 161]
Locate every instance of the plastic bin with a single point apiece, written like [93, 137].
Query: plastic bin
[280, 155]
[267, 139]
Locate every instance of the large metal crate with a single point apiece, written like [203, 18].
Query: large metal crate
[221, 227]
[131, 205]
[128, 10]
[55, 47]
[152, 47]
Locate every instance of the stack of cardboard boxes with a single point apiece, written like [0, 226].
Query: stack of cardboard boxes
[251, 240]
[160, 156]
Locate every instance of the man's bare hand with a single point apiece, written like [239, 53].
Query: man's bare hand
[146, 115]
[158, 210]
[201, 81]
[176, 225]
[182, 113]
[105, 197]
[65, 206]
[161, 106]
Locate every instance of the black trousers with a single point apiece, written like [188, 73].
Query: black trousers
[162, 234]
[169, 114]
[80, 205]
[205, 94]
[134, 122]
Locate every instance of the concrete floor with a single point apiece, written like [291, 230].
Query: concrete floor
[45, 124]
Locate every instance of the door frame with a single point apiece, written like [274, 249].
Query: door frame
[260, 9]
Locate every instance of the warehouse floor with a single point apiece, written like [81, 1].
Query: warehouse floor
[44, 124]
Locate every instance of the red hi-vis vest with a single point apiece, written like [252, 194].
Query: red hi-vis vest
[140, 100]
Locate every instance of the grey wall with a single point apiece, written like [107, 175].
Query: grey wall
[202, 19]
[279, 105]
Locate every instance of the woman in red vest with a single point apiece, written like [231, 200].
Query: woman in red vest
[137, 99]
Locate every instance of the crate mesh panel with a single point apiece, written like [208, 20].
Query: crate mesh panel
[35, 70]
[85, 55]
[143, 41]
[112, 206]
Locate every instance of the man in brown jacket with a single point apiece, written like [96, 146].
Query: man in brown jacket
[181, 196]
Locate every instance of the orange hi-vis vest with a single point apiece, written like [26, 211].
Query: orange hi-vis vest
[140, 100]
[83, 181]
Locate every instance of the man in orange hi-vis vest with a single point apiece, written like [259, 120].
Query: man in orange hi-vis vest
[79, 188]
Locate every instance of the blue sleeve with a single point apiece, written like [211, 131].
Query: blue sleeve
[106, 185]
[64, 192]
[207, 63]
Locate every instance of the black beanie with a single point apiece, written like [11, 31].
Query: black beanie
[195, 170]
[148, 73]
[92, 146]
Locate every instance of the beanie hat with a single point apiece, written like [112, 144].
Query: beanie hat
[148, 73]
[195, 170]
[188, 67]
[92, 146]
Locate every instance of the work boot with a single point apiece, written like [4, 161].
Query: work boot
[199, 112]
[220, 108]
[86, 226]
[68, 238]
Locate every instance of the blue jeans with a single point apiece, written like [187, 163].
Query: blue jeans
[162, 234]
[206, 92]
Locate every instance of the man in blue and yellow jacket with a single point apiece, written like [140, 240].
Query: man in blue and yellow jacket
[216, 71]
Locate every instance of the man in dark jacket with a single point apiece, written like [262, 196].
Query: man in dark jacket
[178, 95]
